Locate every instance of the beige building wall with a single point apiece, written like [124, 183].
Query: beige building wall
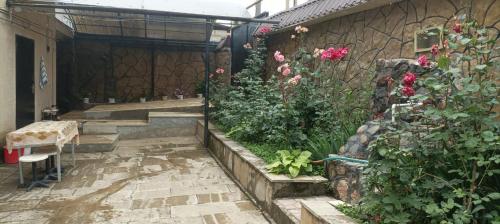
[41, 29]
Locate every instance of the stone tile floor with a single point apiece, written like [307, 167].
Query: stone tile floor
[161, 180]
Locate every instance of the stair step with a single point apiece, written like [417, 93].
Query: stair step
[175, 115]
[141, 110]
[110, 126]
[323, 212]
[95, 143]
[316, 209]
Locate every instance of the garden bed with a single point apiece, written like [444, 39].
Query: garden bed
[250, 171]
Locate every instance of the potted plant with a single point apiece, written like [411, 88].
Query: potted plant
[179, 93]
[200, 89]
[143, 99]
[164, 96]
[86, 99]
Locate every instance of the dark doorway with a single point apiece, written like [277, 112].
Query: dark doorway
[25, 84]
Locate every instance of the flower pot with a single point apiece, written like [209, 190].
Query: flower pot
[180, 97]
[86, 100]
[200, 95]
[142, 99]
[164, 98]
[111, 100]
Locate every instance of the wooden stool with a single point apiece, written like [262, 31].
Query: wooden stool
[33, 159]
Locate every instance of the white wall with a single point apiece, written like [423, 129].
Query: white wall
[41, 29]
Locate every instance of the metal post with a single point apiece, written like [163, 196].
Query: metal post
[207, 82]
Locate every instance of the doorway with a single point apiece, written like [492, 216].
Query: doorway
[25, 81]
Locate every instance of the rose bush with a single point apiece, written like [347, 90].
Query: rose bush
[443, 166]
[304, 103]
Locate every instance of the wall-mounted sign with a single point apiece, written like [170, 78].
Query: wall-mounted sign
[44, 78]
[424, 39]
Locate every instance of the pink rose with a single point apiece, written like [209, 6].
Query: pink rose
[280, 68]
[279, 57]
[265, 29]
[219, 71]
[286, 71]
[422, 61]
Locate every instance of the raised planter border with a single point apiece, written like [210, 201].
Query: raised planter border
[250, 172]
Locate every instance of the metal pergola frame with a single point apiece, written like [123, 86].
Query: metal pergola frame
[209, 23]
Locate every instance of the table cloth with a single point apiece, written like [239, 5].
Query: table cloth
[43, 133]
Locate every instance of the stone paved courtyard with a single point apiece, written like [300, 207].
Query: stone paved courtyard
[161, 180]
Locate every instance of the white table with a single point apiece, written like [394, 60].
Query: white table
[45, 133]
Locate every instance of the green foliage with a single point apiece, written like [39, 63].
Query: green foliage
[317, 112]
[354, 211]
[200, 87]
[443, 167]
[293, 163]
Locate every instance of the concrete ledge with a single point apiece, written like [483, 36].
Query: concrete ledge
[249, 170]
[323, 212]
[175, 115]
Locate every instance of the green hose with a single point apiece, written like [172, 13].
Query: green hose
[335, 157]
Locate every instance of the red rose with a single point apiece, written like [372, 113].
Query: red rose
[408, 91]
[422, 61]
[435, 50]
[457, 27]
[409, 79]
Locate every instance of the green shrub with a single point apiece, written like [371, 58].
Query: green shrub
[293, 163]
[443, 167]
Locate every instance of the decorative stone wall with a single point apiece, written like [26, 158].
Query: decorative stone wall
[382, 33]
[346, 178]
[388, 74]
[103, 70]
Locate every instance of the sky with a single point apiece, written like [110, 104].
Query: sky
[272, 6]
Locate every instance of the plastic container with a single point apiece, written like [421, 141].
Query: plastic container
[13, 157]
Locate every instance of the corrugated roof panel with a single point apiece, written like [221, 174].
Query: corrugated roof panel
[312, 10]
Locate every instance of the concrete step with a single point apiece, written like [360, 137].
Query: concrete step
[163, 124]
[134, 111]
[110, 126]
[95, 143]
[318, 209]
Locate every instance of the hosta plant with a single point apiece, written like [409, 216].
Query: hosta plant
[293, 163]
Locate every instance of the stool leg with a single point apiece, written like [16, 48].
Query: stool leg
[21, 178]
[73, 152]
[47, 166]
[58, 166]
[34, 181]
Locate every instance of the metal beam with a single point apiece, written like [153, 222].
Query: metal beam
[208, 30]
[56, 5]
[145, 41]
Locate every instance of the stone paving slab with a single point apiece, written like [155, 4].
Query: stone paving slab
[160, 180]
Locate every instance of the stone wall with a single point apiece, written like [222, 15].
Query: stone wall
[104, 70]
[375, 37]
[346, 178]
[382, 33]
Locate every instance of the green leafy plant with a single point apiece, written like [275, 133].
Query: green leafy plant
[292, 163]
[200, 87]
[443, 165]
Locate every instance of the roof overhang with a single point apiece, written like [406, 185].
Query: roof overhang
[170, 20]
